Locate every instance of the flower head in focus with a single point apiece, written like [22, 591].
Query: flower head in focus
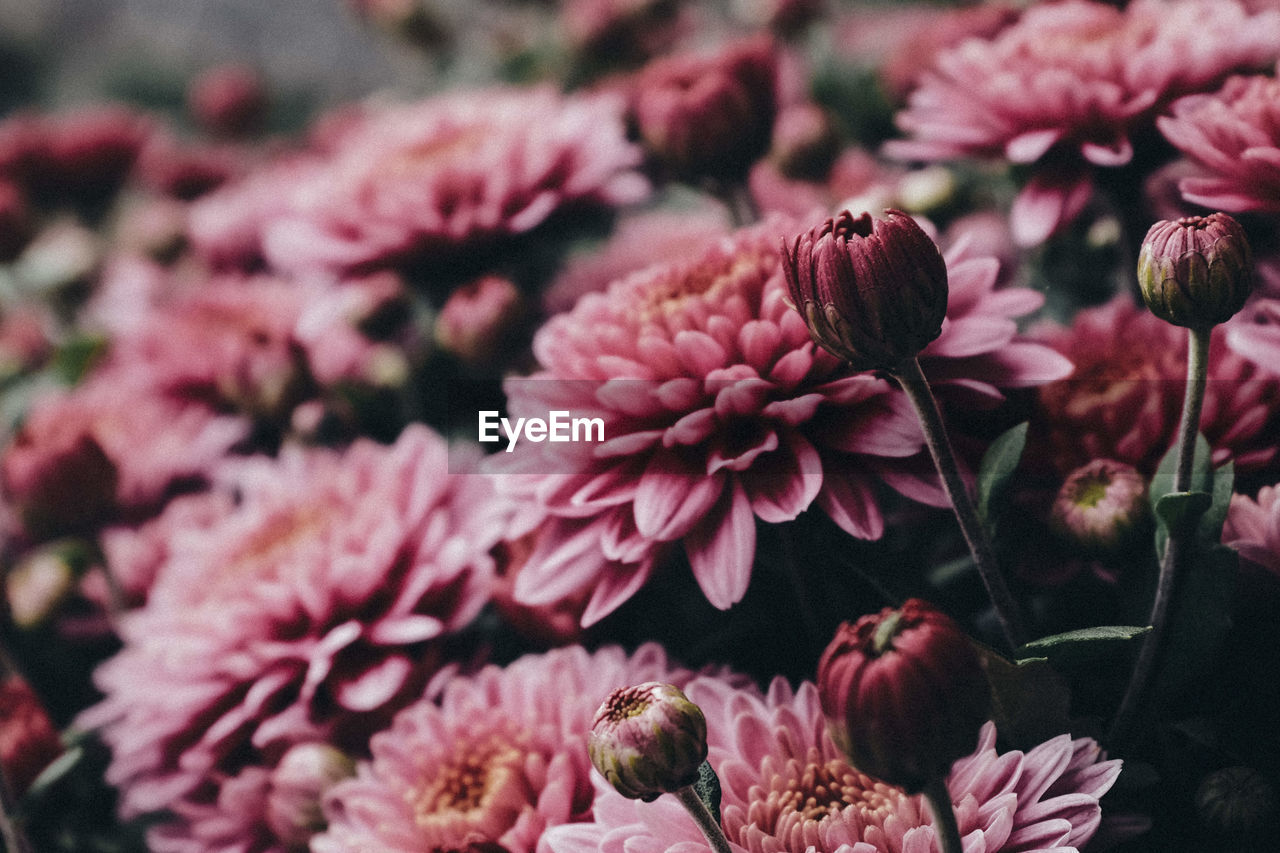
[496, 762]
[648, 739]
[786, 788]
[1196, 271]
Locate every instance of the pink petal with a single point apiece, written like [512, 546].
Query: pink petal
[672, 496]
[782, 485]
[722, 549]
[851, 503]
[374, 687]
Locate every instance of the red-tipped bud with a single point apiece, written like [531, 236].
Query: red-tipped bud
[1196, 271]
[872, 291]
[228, 100]
[28, 740]
[648, 740]
[1101, 505]
[709, 117]
[904, 693]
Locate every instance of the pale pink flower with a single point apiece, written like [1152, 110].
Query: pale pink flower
[312, 611]
[718, 410]
[1066, 88]
[499, 759]
[1252, 528]
[1233, 135]
[1255, 335]
[415, 179]
[1125, 397]
[787, 789]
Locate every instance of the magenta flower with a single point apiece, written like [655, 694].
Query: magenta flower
[312, 611]
[1125, 397]
[499, 759]
[1233, 136]
[719, 410]
[1255, 336]
[788, 789]
[420, 178]
[1253, 528]
[1066, 87]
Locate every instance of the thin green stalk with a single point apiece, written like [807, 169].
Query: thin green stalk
[944, 816]
[913, 382]
[1176, 545]
[703, 817]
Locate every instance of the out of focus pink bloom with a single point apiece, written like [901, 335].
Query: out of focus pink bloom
[477, 317]
[1125, 397]
[622, 31]
[1253, 528]
[1233, 135]
[496, 762]
[16, 225]
[111, 445]
[708, 116]
[1066, 87]
[186, 170]
[312, 611]
[773, 752]
[228, 100]
[413, 180]
[1255, 335]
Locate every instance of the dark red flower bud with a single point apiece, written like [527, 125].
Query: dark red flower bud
[904, 693]
[709, 117]
[1196, 271]
[228, 100]
[872, 291]
[28, 740]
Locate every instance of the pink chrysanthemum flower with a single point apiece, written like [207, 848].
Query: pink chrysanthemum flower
[312, 611]
[1125, 397]
[1255, 334]
[111, 446]
[1066, 87]
[497, 761]
[1233, 135]
[719, 410]
[1253, 528]
[434, 175]
[787, 789]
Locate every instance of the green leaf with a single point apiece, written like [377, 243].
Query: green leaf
[75, 358]
[1030, 702]
[707, 787]
[1084, 645]
[1202, 480]
[1210, 530]
[1199, 619]
[998, 465]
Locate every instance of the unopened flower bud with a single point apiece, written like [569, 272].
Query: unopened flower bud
[38, 585]
[904, 693]
[228, 100]
[1237, 804]
[1196, 271]
[804, 142]
[1101, 505]
[28, 740]
[872, 291]
[648, 739]
[709, 117]
[298, 785]
[476, 319]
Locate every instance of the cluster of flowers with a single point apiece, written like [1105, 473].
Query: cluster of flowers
[268, 590]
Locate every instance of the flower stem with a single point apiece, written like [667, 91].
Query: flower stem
[702, 816]
[1175, 547]
[944, 816]
[911, 378]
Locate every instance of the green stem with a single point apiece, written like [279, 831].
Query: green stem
[944, 816]
[702, 816]
[1176, 546]
[911, 378]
